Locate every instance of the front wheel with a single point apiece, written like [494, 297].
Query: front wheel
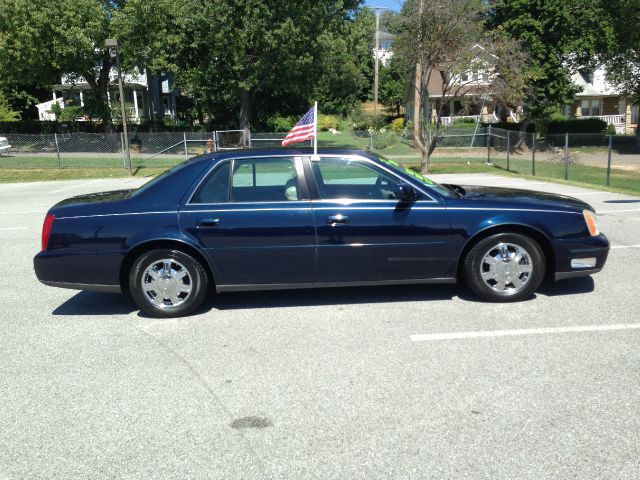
[505, 267]
[168, 283]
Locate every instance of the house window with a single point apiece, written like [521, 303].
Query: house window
[590, 107]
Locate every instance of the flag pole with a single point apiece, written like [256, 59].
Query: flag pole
[315, 129]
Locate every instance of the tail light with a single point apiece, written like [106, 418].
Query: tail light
[46, 229]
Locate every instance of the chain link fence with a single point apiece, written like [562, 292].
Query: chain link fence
[597, 159]
[594, 159]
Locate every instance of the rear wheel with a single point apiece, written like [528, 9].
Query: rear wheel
[505, 267]
[168, 283]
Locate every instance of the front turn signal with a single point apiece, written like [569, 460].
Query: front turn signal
[592, 222]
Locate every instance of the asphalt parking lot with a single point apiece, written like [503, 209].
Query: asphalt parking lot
[324, 384]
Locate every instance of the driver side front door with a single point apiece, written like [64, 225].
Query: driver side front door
[365, 234]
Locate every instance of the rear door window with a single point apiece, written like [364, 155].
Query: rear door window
[215, 189]
[264, 180]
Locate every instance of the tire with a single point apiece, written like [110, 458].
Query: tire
[168, 283]
[505, 267]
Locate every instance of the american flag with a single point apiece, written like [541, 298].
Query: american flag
[304, 129]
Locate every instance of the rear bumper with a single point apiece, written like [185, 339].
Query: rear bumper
[93, 272]
[579, 259]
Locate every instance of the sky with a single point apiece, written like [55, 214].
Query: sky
[393, 4]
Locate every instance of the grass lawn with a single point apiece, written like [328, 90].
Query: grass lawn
[98, 162]
[43, 174]
[40, 168]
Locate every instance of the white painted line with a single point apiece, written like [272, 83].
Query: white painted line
[521, 332]
[43, 211]
[626, 246]
[76, 186]
[618, 211]
[588, 193]
[14, 228]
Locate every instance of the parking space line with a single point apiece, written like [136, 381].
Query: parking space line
[522, 332]
[625, 246]
[618, 211]
[13, 228]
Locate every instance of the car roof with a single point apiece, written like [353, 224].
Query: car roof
[266, 152]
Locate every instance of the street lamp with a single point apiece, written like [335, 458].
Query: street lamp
[112, 45]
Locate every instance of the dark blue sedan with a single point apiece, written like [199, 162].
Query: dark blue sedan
[260, 220]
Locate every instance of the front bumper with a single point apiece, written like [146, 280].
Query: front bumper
[581, 258]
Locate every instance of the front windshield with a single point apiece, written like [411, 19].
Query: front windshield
[418, 176]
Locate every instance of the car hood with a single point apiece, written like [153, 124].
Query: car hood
[513, 196]
[112, 196]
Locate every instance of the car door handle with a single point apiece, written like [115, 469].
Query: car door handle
[339, 218]
[208, 223]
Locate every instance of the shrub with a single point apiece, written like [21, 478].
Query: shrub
[326, 122]
[611, 129]
[397, 125]
[280, 124]
[585, 125]
[384, 139]
[531, 127]
[464, 121]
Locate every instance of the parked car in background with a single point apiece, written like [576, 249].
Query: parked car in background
[280, 219]
[4, 145]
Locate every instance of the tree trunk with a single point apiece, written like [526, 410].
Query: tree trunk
[99, 88]
[246, 108]
[522, 138]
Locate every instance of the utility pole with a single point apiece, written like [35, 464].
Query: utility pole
[112, 45]
[376, 68]
[417, 96]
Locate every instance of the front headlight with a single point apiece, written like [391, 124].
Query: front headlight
[592, 222]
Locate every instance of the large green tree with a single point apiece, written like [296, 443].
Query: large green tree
[244, 59]
[560, 37]
[622, 59]
[43, 39]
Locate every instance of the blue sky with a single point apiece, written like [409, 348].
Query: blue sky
[393, 4]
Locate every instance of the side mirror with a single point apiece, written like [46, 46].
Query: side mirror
[406, 193]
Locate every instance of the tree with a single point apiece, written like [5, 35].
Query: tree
[41, 40]
[560, 37]
[622, 58]
[445, 43]
[345, 69]
[394, 79]
[6, 113]
[245, 59]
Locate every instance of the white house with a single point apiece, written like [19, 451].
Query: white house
[147, 95]
[384, 52]
[600, 99]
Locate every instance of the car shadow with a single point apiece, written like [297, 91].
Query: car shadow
[570, 286]
[93, 303]
[334, 296]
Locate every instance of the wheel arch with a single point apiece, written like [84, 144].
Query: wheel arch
[146, 246]
[540, 238]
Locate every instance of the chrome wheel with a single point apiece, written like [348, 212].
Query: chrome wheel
[166, 283]
[506, 268]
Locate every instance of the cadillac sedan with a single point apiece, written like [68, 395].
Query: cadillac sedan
[261, 220]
